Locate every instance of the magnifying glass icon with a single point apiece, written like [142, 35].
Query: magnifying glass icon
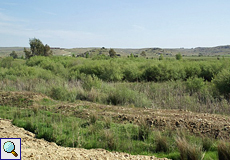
[9, 147]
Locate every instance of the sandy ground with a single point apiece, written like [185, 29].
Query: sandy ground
[33, 148]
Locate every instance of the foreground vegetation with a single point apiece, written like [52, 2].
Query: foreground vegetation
[200, 86]
[102, 132]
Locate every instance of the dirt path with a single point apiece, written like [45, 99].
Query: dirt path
[40, 149]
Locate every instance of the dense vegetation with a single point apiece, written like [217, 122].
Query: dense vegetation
[201, 86]
[124, 81]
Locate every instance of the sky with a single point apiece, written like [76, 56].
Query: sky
[115, 23]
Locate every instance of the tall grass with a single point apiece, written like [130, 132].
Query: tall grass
[189, 151]
[224, 150]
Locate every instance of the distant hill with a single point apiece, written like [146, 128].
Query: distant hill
[199, 51]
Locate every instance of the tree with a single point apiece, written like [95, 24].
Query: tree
[112, 53]
[87, 55]
[28, 54]
[47, 51]
[178, 56]
[143, 54]
[161, 57]
[37, 49]
[13, 54]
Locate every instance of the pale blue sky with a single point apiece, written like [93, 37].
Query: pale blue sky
[115, 23]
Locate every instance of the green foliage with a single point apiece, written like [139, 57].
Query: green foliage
[88, 81]
[13, 54]
[143, 54]
[87, 55]
[59, 93]
[37, 49]
[132, 73]
[112, 53]
[222, 82]
[178, 56]
[7, 62]
[195, 84]
[161, 57]
[124, 96]
[163, 72]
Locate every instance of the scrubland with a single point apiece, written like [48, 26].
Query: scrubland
[76, 91]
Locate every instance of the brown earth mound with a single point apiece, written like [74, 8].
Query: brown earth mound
[33, 148]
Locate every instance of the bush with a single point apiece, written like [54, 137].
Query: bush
[90, 81]
[58, 93]
[178, 56]
[195, 84]
[121, 95]
[131, 73]
[222, 82]
[111, 72]
[7, 62]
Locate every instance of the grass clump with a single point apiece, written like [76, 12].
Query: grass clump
[224, 150]
[93, 118]
[143, 130]
[161, 143]
[188, 151]
[207, 143]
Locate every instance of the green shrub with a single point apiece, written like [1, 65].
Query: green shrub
[90, 81]
[222, 82]
[178, 56]
[132, 73]
[36, 60]
[122, 95]
[111, 72]
[195, 84]
[7, 62]
[58, 93]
